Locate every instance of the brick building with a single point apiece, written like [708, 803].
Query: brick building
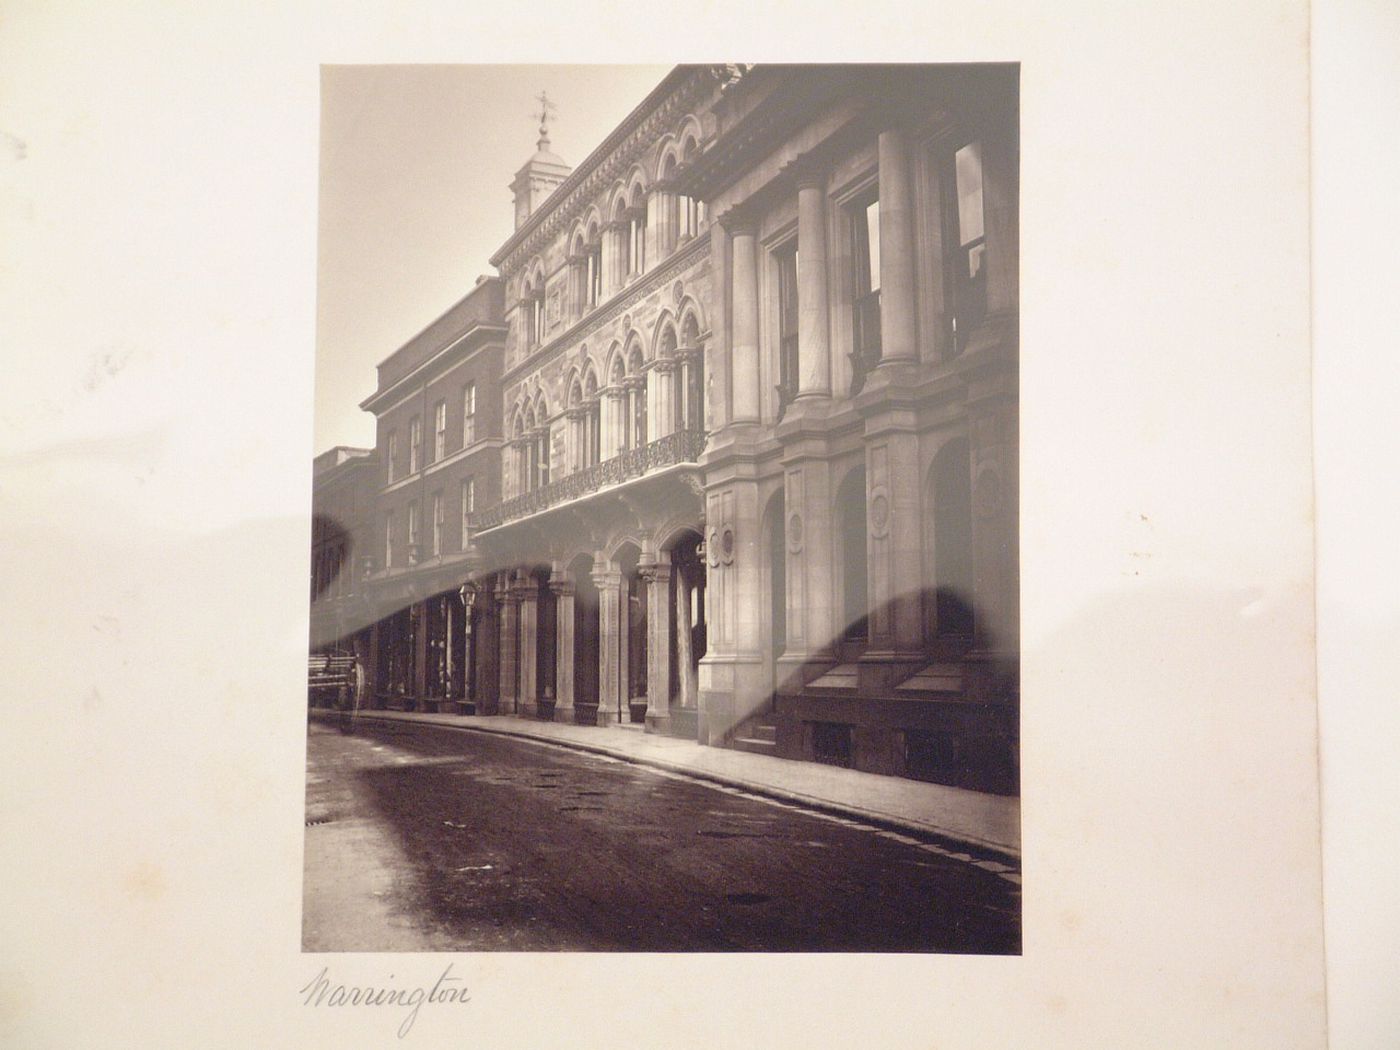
[743, 463]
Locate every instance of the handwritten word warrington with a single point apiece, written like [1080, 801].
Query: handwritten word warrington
[320, 991]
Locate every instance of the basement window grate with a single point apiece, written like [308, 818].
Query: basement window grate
[831, 743]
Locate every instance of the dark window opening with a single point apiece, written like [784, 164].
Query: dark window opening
[865, 352]
[969, 245]
[831, 743]
[787, 327]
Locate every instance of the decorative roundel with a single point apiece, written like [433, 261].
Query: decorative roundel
[726, 545]
[712, 546]
[678, 292]
[794, 533]
[987, 493]
[880, 513]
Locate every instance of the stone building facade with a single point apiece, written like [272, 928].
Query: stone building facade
[755, 431]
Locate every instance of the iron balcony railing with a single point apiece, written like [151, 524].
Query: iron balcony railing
[684, 446]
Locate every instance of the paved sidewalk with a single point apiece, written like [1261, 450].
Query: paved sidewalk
[985, 822]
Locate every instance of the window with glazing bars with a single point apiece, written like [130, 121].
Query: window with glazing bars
[787, 323]
[866, 301]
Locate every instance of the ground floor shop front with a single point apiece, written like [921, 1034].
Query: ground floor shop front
[805, 606]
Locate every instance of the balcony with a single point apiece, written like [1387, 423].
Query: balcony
[684, 446]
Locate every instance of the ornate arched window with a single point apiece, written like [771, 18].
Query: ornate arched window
[636, 396]
[540, 442]
[637, 229]
[592, 430]
[622, 242]
[689, 210]
[690, 378]
[593, 268]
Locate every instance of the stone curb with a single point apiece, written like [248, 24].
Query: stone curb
[885, 821]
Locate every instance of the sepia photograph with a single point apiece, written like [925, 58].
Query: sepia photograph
[517, 533]
[664, 569]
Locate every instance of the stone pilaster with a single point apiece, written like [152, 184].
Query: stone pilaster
[527, 595]
[733, 680]
[717, 397]
[893, 539]
[562, 584]
[812, 586]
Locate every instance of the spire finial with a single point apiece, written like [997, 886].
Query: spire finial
[546, 113]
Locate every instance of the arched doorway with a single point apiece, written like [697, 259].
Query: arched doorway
[585, 639]
[850, 518]
[951, 491]
[546, 642]
[775, 576]
[688, 635]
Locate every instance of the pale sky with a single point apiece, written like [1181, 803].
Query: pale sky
[416, 164]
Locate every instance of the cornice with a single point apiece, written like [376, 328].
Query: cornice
[617, 152]
[475, 338]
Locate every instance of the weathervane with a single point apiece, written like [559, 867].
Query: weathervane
[547, 110]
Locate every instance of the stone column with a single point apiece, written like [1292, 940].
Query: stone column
[624, 645]
[658, 580]
[573, 443]
[636, 387]
[612, 421]
[897, 299]
[744, 329]
[640, 258]
[485, 643]
[814, 355]
[609, 583]
[527, 594]
[604, 425]
[663, 215]
[507, 602]
[662, 375]
[562, 584]
[717, 352]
